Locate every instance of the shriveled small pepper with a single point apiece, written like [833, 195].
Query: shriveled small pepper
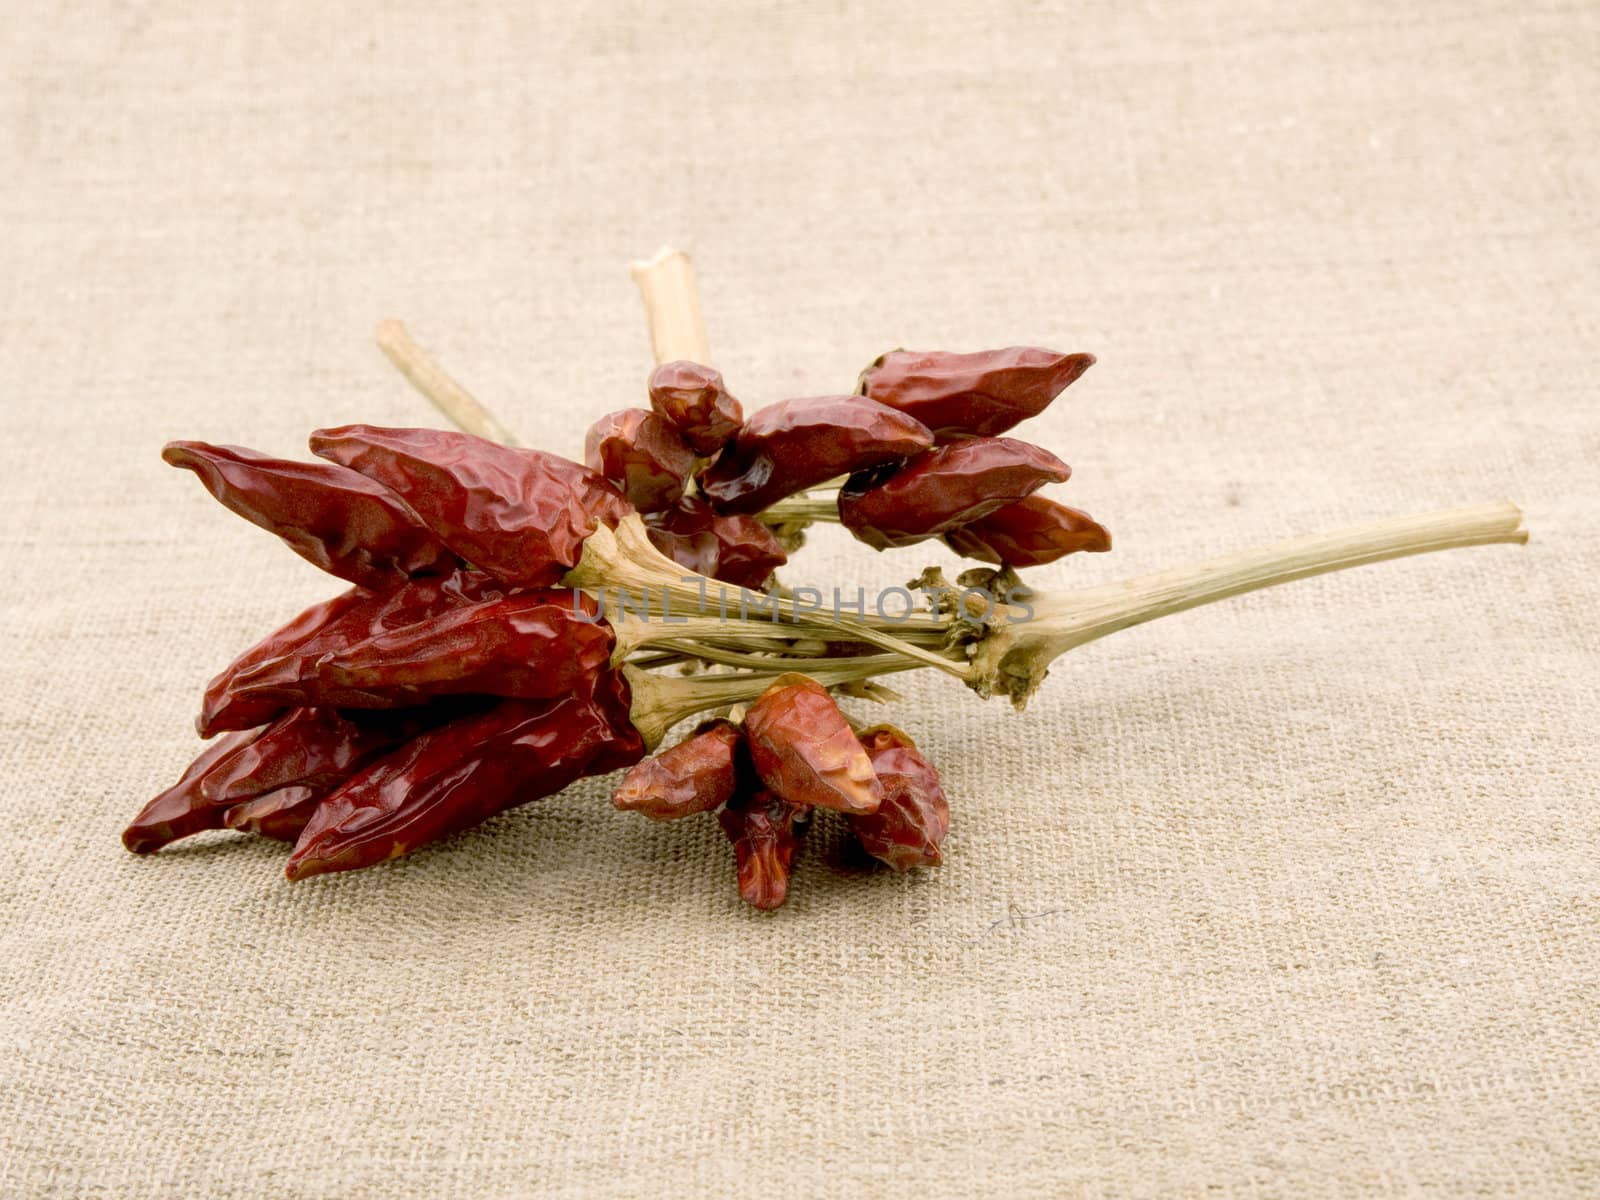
[463, 773]
[182, 809]
[694, 401]
[698, 774]
[945, 488]
[790, 446]
[735, 548]
[914, 817]
[971, 395]
[642, 454]
[765, 831]
[336, 518]
[804, 750]
[1029, 533]
[521, 515]
[279, 815]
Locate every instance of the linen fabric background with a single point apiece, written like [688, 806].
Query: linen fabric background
[1296, 894]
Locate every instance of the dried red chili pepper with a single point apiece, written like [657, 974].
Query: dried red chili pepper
[307, 747]
[273, 682]
[336, 518]
[914, 817]
[521, 515]
[279, 815]
[788, 447]
[735, 548]
[944, 488]
[765, 831]
[1029, 533]
[698, 774]
[803, 748]
[642, 454]
[971, 395]
[182, 809]
[464, 772]
[694, 401]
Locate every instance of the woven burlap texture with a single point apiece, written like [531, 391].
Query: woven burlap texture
[1296, 894]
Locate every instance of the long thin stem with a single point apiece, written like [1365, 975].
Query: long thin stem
[672, 307]
[444, 393]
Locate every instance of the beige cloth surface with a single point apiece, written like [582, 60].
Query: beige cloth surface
[1294, 895]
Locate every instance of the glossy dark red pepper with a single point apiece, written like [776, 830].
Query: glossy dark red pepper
[694, 401]
[971, 395]
[788, 447]
[182, 809]
[697, 775]
[642, 454]
[279, 815]
[463, 773]
[945, 488]
[336, 518]
[521, 515]
[804, 750]
[732, 547]
[306, 747]
[908, 827]
[1029, 533]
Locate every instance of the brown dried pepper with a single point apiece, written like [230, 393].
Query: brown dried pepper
[694, 401]
[945, 488]
[182, 809]
[1029, 533]
[914, 817]
[735, 548]
[765, 831]
[971, 395]
[464, 772]
[521, 515]
[336, 518]
[697, 775]
[642, 454]
[790, 446]
[804, 750]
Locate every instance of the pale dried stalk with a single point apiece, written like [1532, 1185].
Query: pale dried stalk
[444, 393]
[672, 306]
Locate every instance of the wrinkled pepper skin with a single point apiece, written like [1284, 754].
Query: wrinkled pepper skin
[642, 455]
[532, 645]
[734, 548]
[463, 773]
[694, 401]
[765, 832]
[306, 747]
[796, 444]
[804, 750]
[336, 518]
[279, 815]
[697, 775]
[182, 809]
[971, 395]
[945, 488]
[520, 515]
[273, 684]
[1029, 533]
[914, 817]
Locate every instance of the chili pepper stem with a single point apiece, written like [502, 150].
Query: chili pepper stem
[443, 392]
[672, 307]
[1013, 659]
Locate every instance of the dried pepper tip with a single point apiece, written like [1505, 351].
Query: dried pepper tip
[697, 775]
[971, 395]
[279, 815]
[642, 454]
[765, 831]
[333, 517]
[796, 444]
[733, 548]
[1029, 533]
[182, 809]
[804, 750]
[914, 817]
[520, 515]
[944, 488]
[694, 401]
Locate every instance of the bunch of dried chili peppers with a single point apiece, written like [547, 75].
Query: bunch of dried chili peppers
[474, 663]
